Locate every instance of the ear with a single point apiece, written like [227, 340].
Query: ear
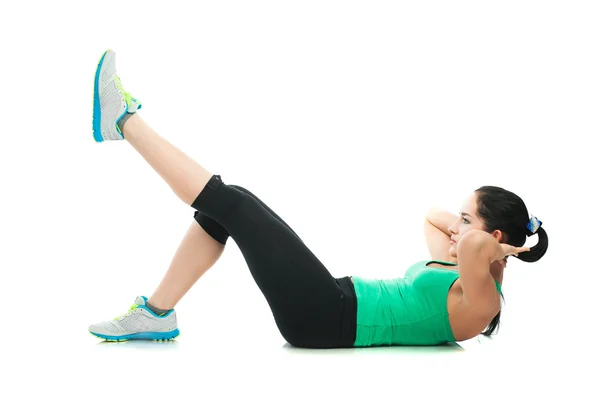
[497, 234]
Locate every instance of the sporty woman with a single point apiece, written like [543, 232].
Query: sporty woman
[454, 296]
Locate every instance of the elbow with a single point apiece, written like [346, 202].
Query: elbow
[473, 239]
[476, 242]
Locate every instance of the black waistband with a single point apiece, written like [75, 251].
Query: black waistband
[348, 334]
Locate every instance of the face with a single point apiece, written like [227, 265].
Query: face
[466, 221]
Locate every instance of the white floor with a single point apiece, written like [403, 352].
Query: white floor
[189, 368]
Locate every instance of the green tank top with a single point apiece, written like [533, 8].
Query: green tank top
[405, 311]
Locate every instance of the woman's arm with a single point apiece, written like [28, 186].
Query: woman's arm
[441, 219]
[437, 236]
[476, 251]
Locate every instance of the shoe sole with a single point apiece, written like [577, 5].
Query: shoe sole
[155, 336]
[97, 118]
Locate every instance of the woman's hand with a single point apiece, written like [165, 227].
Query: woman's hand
[483, 241]
[509, 250]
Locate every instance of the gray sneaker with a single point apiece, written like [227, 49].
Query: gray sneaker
[139, 323]
[111, 101]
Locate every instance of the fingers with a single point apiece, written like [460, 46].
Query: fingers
[520, 250]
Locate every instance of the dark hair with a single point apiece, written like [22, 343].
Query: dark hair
[500, 209]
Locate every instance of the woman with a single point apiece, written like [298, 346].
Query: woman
[453, 297]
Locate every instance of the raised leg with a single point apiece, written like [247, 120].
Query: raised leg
[184, 175]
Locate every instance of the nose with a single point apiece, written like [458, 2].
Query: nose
[451, 229]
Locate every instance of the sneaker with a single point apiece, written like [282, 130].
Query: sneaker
[138, 323]
[111, 101]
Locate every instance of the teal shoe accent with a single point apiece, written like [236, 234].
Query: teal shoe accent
[135, 102]
[161, 336]
[97, 118]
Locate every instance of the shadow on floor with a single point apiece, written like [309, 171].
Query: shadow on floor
[445, 348]
[142, 344]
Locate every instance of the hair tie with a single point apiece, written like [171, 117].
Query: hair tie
[533, 225]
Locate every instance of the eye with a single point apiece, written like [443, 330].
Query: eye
[466, 221]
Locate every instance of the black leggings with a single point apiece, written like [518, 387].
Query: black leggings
[311, 308]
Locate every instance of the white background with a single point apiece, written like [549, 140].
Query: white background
[350, 119]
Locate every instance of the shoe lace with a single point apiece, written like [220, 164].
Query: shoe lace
[131, 309]
[122, 90]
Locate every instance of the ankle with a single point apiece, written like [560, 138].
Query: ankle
[155, 304]
[127, 124]
[123, 120]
